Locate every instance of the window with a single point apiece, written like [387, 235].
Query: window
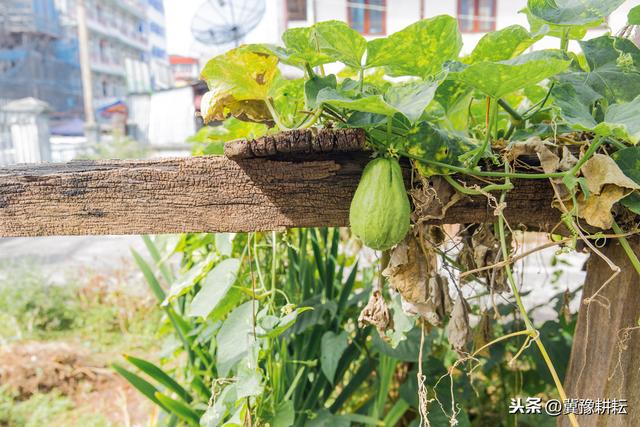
[297, 10]
[368, 16]
[477, 16]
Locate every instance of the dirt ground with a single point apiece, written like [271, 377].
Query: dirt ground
[32, 367]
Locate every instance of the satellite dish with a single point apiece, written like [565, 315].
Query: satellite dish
[219, 22]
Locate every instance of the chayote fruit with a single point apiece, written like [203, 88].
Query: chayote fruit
[380, 211]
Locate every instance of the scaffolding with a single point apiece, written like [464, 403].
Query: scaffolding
[37, 59]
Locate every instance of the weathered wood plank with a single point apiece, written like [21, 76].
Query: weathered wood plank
[605, 358]
[198, 194]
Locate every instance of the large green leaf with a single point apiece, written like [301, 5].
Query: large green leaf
[234, 338]
[572, 12]
[301, 49]
[503, 44]
[614, 69]
[409, 98]
[435, 144]
[575, 106]
[633, 17]
[239, 82]
[214, 287]
[332, 347]
[575, 32]
[340, 42]
[420, 49]
[497, 79]
[622, 121]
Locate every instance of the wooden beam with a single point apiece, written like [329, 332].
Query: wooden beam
[605, 357]
[207, 194]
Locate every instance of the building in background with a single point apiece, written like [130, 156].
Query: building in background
[184, 69]
[37, 59]
[39, 50]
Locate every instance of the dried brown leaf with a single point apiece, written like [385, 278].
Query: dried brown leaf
[458, 331]
[534, 145]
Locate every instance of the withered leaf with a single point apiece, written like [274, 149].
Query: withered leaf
[607, 184]
[457, 330]
[433, 198]
[376, 313]
[534, 145]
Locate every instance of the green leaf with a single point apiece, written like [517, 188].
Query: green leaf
[575, 106]
[628, 159]
[157, 258]
[149, 276]
[288, 99]
[214, 287]
[371, 104]
[159, 375]
[497, 79]
[332, 346]
[209, 140]
[614, 69]
[235, 338]
[184, 412]
[281, 325]
[186, 281]
[409, 98]
[573, 12]
[435, 144]
[503, 44]
[285, 414]
[239, 82]
[143, 386]
[249, 381]
[340, 42]
[621, 120]
[224, 243]
[420, 49]
[633, 17]
[314, 85]
[301, 48]
[576, 32]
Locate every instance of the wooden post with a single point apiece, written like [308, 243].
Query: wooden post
[605, 358]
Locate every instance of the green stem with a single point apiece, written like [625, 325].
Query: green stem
[472, 191]
[509, 109]
[523, 312]
[564, 41]
[537, 107]
[587, 155]
[361, 81]
[472, 172]
[493, 108]
[627, 247]
[274, 115]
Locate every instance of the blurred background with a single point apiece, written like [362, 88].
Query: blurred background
[119, 79]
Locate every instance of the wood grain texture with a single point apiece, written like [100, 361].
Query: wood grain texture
[605, 357]
[207, 194]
